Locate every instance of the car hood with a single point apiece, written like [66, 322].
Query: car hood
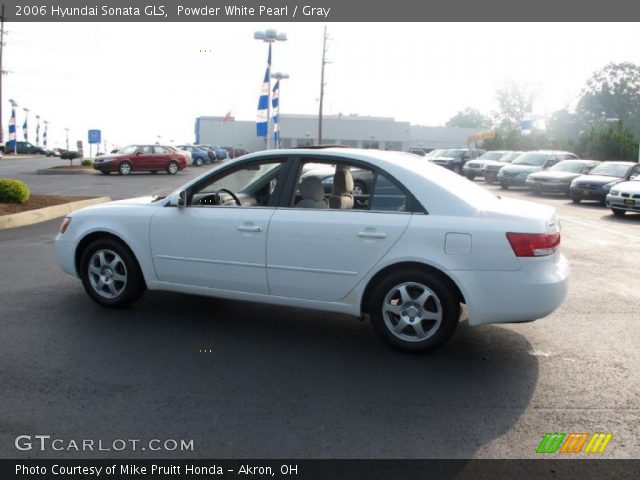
[631, 187]
[558, 175]
[597, 179]
[521, 168]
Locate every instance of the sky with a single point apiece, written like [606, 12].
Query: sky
[138, 82]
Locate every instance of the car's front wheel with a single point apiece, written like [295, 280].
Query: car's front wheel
[173, 168]
[199, 162]
[124, 168]
[470, 177]
[504, 186]
[110, 273]
[414, 311]
[618, 212]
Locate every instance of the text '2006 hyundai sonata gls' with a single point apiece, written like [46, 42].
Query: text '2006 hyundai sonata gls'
[407, 253]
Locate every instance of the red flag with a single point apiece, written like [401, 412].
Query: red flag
[227, 116]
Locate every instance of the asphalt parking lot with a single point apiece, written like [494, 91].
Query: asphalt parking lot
[287, 383]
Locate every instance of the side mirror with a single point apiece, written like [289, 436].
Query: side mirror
[178, 199]
[634, 177]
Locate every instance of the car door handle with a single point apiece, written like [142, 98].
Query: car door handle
[249, 228]
[372, 235]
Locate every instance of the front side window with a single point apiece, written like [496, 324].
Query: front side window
[161, 150]
[531, 159]
[250, 185]
[128, 150]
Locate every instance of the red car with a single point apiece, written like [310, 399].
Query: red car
[141, 158]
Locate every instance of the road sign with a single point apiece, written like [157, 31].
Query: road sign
[95, 136]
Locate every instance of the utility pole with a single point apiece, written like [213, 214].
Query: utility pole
[324, 62]
[1, 70]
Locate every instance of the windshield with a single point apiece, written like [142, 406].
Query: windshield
[435, 153]
[531, 159]
[610, 170]
[509, 157]
[568, 166]
[128, 149]
[492, 156]
[451, 153]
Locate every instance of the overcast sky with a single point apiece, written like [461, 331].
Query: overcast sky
[135, 81]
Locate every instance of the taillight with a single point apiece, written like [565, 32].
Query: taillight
[533, 244]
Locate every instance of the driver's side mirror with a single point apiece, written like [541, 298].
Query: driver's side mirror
[178, 199]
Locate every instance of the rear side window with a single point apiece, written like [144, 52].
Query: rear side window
[387, 196]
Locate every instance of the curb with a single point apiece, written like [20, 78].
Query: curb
[47, 213]
[65, 171]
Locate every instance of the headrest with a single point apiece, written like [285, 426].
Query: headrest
[311, 188]
[342, 182]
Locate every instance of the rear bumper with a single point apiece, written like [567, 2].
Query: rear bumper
[532, 292]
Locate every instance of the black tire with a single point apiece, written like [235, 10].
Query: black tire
[458, 169]
[440, 300]
[618, 213]
[173, 167]
[104, 172]
[490, 179]
[125, 168]
[154, 171]
[504, 186]
[470, 177]
[199, 162]
[125, 292]
[575, 199]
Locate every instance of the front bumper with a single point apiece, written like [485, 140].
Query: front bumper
[104, 166]
[547, 186]
[517, 181]
[620, 203]
[476, 171]
[586, 193]
[65, 253]
[532, 292]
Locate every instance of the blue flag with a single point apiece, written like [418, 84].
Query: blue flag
[262, 119]
[25, 130]
[11, 144]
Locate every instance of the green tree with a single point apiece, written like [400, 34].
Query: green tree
[612, 142]
[469, 118]
[512, 106]
[612, 92]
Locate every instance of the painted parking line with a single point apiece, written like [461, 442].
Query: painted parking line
[594, 225]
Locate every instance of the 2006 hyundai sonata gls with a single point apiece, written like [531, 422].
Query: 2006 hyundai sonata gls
[408, 252]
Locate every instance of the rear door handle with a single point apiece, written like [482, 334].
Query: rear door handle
[249, 228]
[372, 235]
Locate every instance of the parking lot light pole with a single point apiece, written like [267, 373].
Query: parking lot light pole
[279, 76]
[269, 36]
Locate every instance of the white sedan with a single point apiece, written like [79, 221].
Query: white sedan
[625, 197]
[408, 254]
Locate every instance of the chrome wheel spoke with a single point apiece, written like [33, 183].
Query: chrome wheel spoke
[422, 299]
[395, 309]
[119, 278]
[400, 326]
[404, 294]
[94, 270]
[417, 327]
[434, 316]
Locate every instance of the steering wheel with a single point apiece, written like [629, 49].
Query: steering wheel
[230, 193]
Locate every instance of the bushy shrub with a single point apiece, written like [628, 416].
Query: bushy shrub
[86, 162]
[13, 191]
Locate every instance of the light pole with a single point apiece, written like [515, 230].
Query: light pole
[67, 132]
[12, 126]
[44, 135]
[269, 36]
[277, 128]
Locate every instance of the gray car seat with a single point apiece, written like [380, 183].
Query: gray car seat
[312, 192]
[342, 188]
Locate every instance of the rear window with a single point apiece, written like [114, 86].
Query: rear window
[610, 170]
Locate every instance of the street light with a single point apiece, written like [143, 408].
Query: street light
[269, 36]
[279, 76]
[67, 130]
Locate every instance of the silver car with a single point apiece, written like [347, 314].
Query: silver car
[625, 197]
[474, 168]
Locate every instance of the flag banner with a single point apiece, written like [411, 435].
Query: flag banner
[11, 144]
[38, 133]
[25, 130]
[275, 107]
[262, 118]
[44, 135]
[227, 117]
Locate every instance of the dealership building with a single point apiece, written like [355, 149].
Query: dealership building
[350, 130]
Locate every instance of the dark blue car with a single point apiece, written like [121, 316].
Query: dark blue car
[199, 156]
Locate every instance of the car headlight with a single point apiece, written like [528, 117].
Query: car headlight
[614, 192]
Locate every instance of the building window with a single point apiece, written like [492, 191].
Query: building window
[349, 143]
[285, 142]
[395, 146]
[370, 144]
[304, 142]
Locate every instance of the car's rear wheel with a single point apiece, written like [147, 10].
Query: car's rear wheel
[414, 311]
[110, 273]
[104, 172]
[154, 171]
[618, 213]
[504, 186]
[173, 168]
[199, 162]
[470, 177]
[125, 168]
[575, 199]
